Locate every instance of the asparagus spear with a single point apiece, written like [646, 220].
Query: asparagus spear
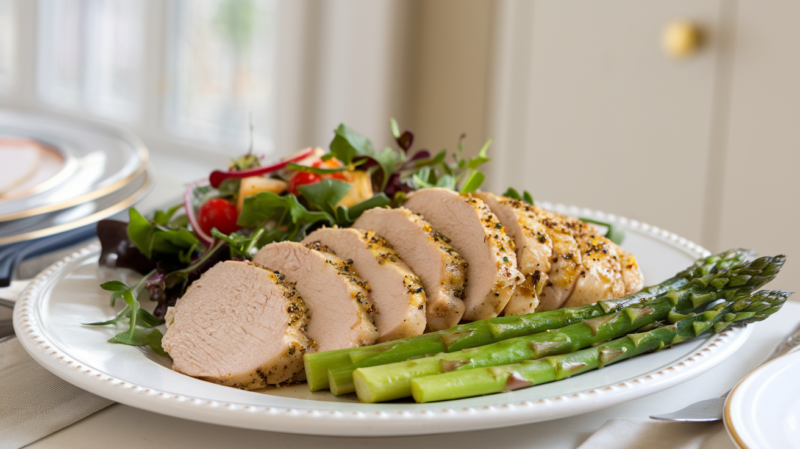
[475, 382]
[393, 381]
[334, 369]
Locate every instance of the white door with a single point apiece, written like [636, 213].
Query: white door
[590, 110]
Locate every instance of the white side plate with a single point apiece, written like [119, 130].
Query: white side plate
[763, 411]
[88, 212]
[98, 161]
[48, 316]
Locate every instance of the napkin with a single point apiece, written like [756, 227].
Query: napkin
[655, 434]
[35, 403]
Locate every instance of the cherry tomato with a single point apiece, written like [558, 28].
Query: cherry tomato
[217, 213]
[302, 178]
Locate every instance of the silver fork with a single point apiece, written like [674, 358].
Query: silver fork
[711, 409]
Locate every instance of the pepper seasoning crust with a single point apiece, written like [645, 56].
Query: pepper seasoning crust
[563, 232]
[536, 271]
[581, 251]
[504, 250]
[385, 254]
[455, 266]
[359, 290]
[601, 275]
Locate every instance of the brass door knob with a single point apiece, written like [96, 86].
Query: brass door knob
[682, 39]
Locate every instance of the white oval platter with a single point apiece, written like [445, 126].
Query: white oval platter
[48, 315]
[763, 410]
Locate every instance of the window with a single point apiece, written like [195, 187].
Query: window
[220, 67]
[188, 75]
[8, 43]
[90, 55]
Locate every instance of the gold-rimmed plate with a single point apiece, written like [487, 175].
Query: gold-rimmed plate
[77, 163]
[86, 213]
[763, 410]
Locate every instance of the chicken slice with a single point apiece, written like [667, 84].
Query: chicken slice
[396, 293]
[631, 273]
[601, 271]
[565, 261]
[341, 312]
[534, 250]
[476, 233]
[596, 267]
[439, 266]
[239, 325]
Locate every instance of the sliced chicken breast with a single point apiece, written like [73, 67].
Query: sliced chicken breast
[239, 325]
[396, 292]
[565, 261]
[341, 312]
[439, 266]
[631, 273]
[534, 249]
[601, 271]
[587, 267]
[476, 233]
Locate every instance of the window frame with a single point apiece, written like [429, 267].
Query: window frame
[149, 121]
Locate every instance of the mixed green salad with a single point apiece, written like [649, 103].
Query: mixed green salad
[233, 213]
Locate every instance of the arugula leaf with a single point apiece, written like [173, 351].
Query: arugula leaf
[513, 194]
[304, 217]
[399, 198]
[241, 246]
[120, 316]
[117, 287]
[141, 337]
[348, 144]
[114, 286]
[229, 187]
[473, 182]
[324, 195]
[447, 181]
[388, 159]
[260, 208]
[288, 218]
[481, 158]
[615, 233]
[141, 331]
[319, 170]
[163, 218]
[527, 197]
[421, 178]
[435, 172]
[395, 128]
[154, 239]
[436, 161]
[346, 216]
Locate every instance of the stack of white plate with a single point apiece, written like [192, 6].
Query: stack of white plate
[57, 175]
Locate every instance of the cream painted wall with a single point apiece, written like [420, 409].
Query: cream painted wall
[450, 72]
[760, 207]
[424, 62]
[348, 63]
